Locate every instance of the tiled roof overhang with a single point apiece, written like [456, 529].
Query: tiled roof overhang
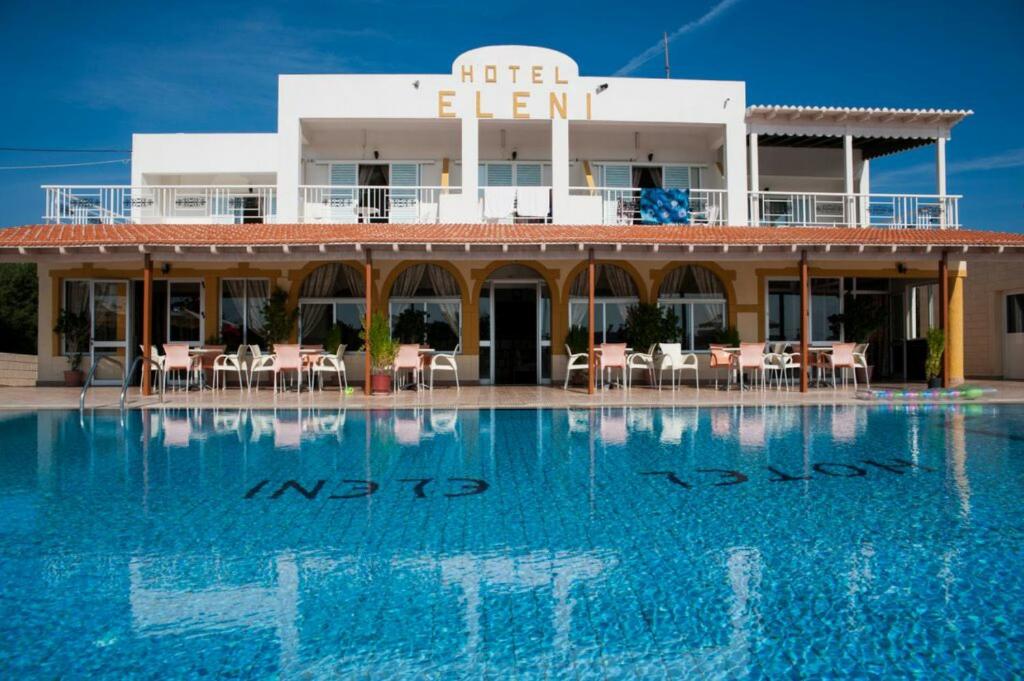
[320, 241]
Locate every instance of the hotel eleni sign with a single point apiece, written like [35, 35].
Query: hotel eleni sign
[514, 82]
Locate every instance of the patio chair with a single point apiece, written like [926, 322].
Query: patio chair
[671, 357]
[287, 358]
[640, 360]
[842, 358]
[226, 363]
[259, 364]
[407, 359]
[177, 359]
[331, 364]
[773, 363]
[577, 362]
[155, 369]
[613, 356]
[751, 357]
[720, 359]
[860, 358]
[445, 361]
[790, 362]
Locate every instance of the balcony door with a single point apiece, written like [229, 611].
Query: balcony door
[110, 327]
[186, 312]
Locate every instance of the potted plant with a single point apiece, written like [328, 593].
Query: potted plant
[333, 339]
[862, 318]
[279, 320]
[383, 349]
[729, 337]
[933, 363]
[647, 324]
[75, 328]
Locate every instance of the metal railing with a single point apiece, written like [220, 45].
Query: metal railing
[117, 204]
[515, 204]
[623, 206]
[352, 203]
[892, 211]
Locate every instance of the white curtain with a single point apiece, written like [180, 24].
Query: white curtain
[408, 282]
[672, 285]
[354, 281]
[578, 314]
[707, 282]
[319, 284]
[445, 286]
[256, 298]
[618, 280]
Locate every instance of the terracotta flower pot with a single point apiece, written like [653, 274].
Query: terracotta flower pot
[935, 382]
[73, 379]
[380, 384]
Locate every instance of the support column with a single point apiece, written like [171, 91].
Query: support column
[848, 180]
[943, 314]
[560, 171]
[755, 182]
[470, 154]
[289, 174]
[147, 324]
[735, 158]
[940, 178]
[955, 324]
[368, 271]
[805, 324]
[864, 189]
[590, 323]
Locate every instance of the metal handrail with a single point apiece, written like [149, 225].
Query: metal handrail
[92, 373]
[131, 372]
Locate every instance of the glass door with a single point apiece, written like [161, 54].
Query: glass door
[110, 329]
[515, 333]
[186, 311]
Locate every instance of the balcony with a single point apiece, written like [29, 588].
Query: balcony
[883, 211]
[118, 204]
[622, 206]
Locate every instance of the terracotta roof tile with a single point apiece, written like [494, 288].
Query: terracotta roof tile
[42, 236]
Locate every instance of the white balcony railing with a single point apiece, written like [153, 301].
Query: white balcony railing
[111, 204]
[623, 206]
[351, 204]
[893, 211]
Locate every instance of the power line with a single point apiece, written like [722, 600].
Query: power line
[66, 165]
[52, 150]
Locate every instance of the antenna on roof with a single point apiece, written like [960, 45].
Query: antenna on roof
[668, 69]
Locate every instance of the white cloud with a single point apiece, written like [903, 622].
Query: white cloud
[1013, 158]
[656, 49]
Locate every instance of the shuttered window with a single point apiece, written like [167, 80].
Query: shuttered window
[617, 176]
[404, 201]
[528, 175]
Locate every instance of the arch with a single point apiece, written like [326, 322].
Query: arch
[296, 278]
[629, 268]
[480, 276]
[336, 284]
[725, 278]
[466, 315]
[690, 280]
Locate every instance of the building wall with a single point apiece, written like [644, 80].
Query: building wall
[745, 283]
[984, 315]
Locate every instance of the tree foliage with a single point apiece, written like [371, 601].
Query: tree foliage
[19, 298]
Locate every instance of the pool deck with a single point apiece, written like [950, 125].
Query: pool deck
[470, 397]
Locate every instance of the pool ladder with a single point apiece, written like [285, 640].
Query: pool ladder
[127, 378]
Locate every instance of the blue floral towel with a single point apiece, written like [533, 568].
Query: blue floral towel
[665, 206]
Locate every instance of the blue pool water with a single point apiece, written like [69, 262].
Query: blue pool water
[719, 543]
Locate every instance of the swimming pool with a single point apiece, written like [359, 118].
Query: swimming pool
[545, 543]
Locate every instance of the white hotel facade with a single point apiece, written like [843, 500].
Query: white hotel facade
[484, 196]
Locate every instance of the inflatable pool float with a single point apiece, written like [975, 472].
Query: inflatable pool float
[963, 392]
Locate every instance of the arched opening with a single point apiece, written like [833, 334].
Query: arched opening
[614, 292]
[515, 327]
[333, 295]
[697, 297]
[426, 307]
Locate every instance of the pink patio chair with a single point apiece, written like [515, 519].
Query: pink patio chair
[408, 359]
[751, 357]
[613, 356]
[288, 358]
[842, 358]
[720, 359]
[177, 358]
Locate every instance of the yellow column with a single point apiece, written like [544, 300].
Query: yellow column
[955, 326]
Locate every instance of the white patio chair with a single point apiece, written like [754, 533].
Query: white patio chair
[860, 360]
[331, 364]
[445, 361]
[259, 364]
[671, 358]
[640, 360]
[226, 363]
[578, 361]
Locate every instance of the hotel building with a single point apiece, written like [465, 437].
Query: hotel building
[486, 197]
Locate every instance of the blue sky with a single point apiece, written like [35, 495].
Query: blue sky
[88, 75]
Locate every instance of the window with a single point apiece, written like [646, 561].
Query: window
[1015, 313]
[697, 297]
[426, 307]
[923, 310]
[784, 309]
[241, 311]
[614, 292]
